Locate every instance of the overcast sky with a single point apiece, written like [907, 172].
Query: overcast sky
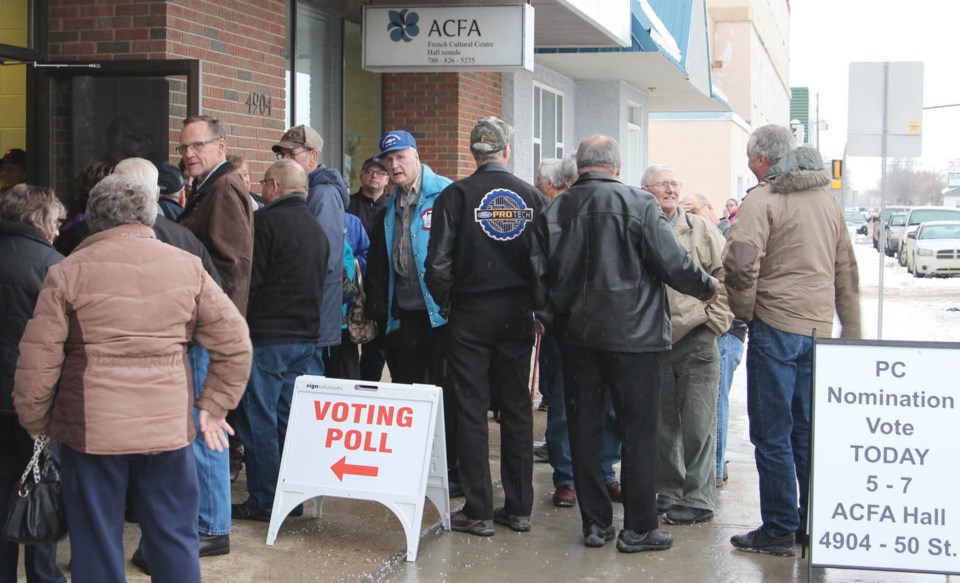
[827, 35]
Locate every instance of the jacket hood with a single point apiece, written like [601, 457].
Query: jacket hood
[801, 169]
[325, 175]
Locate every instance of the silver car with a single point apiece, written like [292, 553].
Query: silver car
[893, 230]
[935, 249]
[922, 214]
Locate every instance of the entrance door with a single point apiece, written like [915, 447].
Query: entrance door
[107, 111]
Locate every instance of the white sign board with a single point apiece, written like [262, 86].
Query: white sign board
[448, 38]
[903, 93]
[371, 441]
[886, 443]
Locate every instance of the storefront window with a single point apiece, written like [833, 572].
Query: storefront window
[547, 124]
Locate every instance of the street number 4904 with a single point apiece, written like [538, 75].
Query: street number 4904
[845, 540]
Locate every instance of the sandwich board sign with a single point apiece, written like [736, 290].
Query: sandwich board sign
[885, 448]
[369, 441]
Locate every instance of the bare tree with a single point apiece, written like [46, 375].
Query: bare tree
[909, 185]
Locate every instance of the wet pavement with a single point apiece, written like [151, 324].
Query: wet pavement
[363, 541]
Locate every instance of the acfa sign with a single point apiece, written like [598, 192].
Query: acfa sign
[431, 38]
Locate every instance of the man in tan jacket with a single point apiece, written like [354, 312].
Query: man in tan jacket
[690, 369]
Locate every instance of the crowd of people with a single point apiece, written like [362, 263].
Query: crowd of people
[157, 331]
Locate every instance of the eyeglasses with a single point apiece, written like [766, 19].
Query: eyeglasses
[291, 153]
[663, 185]
[196, 146]
[377, 173]
[266, 181]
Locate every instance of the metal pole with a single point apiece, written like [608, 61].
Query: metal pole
[883, 194]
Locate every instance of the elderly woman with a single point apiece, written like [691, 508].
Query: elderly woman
[110, 331]
[29, 218]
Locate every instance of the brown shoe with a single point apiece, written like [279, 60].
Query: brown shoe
[613, 489]
[565, 497]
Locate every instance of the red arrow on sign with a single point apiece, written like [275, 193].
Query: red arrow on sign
[342, 467]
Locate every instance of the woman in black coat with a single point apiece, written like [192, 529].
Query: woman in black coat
[29, 221]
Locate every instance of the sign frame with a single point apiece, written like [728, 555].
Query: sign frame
[895, 425]
[406, 502]
[458, 49]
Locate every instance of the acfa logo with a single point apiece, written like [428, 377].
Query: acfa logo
[403, 25]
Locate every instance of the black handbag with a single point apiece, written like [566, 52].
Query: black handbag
[360, 328]
[36, 515]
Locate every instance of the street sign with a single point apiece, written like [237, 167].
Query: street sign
[885, 447]
[370, 441]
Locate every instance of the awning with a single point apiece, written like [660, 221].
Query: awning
[664, 58]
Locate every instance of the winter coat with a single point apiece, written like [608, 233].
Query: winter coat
[789, 260]
[103, 363]
[327, 200]
[602, 253]
[27, 255]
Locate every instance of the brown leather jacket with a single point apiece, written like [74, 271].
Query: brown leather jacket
[103, 364]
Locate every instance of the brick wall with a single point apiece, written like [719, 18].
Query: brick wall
[440, 109]
[241, 46]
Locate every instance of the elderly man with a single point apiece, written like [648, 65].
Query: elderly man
[555, 175]
[730, 343]
[220, 214]
[602, 254]
[102, 370]
[327, 198]
[478, 271]
[290, 258]
[690, 369]
[786, 296]
[396, 291]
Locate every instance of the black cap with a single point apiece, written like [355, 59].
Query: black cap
[15, 156]
[375, 161]
[169, 179]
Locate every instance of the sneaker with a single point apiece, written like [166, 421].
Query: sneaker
[594, 536]
[540, 454]
[758, 541]
[460, 522]
[244, 511]
[615, 492]
[631, 541]
[543, 405]
[565, 497]
[686, 515]
[516, 523]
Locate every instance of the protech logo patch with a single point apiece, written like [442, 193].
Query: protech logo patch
[404, 25]
[503, 214]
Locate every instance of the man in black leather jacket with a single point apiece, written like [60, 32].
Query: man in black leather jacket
[601, 255]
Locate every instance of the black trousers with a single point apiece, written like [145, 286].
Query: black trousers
[373, 355]
[418, 354]
[634, 382]
[490, 346]
[343, 361]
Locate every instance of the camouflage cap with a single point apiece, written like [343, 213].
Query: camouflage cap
[491, 134]
[299, 136]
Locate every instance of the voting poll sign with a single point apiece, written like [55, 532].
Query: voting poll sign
[886, 443]
[371, 441]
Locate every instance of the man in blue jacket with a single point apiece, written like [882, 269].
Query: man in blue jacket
[396, 292]
[327, 199]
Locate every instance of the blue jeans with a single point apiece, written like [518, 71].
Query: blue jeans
[264, 411]
[779, 387]
[213, 468]
[731, 352]
[557, 436]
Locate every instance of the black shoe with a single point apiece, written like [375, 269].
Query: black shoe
[516, 523]
[594, 536]
[460, 522]
[663, 506]
[540, 454]
[246, 512]
[297, 511]
[631, 541]
[686, 515]
[212, 545]
[139, 562]
[758, 541]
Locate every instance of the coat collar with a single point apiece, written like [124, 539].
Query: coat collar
[137, 231]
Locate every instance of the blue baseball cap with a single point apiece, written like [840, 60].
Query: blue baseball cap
[396, 140]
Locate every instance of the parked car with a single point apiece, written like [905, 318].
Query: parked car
[893, 229]
[922, 214]
[888, 211]
[856, 222]
[935, 249]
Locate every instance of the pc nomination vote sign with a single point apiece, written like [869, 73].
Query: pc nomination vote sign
[447, 38]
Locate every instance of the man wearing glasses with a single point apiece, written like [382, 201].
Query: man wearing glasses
[690, 370]
[327, 199]
[220, 214]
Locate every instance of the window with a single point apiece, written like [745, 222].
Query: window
[631, 167]
[547, 124]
